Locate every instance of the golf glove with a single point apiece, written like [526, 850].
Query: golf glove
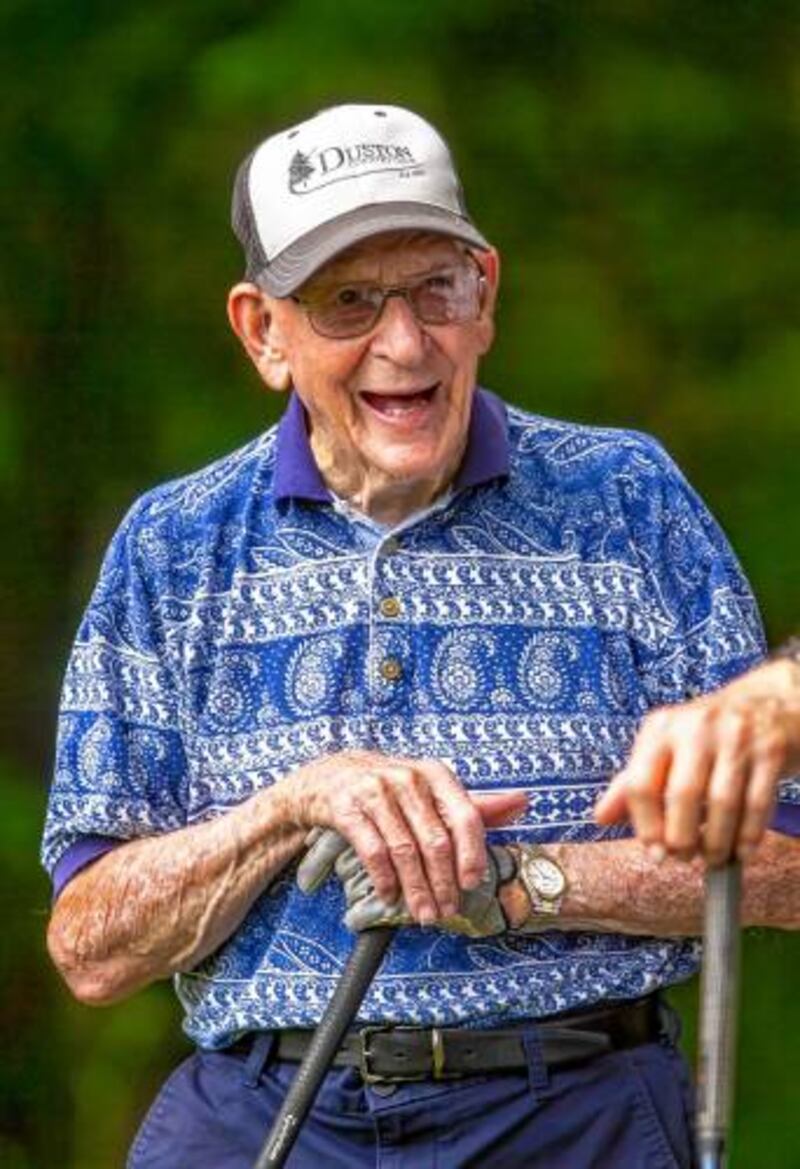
[480, 913]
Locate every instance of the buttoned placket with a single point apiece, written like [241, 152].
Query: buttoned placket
[390, 660]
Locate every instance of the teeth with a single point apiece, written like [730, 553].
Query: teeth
[397, 404]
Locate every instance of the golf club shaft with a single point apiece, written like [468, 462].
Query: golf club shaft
[719, 988]
[342, 1009]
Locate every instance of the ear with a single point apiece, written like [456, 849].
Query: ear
[252, 320]
[489, 263]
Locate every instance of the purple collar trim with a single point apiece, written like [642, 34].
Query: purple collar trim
[297, 475]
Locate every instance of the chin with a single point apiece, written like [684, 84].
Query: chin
[411, 467]
[427, 449]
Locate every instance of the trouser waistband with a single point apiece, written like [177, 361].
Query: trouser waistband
[396, 1054]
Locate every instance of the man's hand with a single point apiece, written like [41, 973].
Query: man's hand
[480, 913]
[418, 833]
[702, 775]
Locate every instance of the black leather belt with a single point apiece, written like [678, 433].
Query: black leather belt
[401, 1054]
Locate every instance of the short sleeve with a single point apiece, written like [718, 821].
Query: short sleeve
[120, 762]
[710, 626]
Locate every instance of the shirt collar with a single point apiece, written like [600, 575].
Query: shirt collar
[297, 475]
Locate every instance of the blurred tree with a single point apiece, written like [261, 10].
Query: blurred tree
[635, 161]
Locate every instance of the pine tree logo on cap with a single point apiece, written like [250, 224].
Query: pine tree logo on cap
[300, 170]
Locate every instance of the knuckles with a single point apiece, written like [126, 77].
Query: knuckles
[466, 816]
[388, 809]
[403, 851]
[374, 855]
[437, 844]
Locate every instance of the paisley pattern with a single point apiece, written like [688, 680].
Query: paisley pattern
[545, 665]
[459, 675]
[312, 675]
[233, 692]
[231, 639]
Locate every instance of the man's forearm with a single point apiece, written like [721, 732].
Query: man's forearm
[155, 906]
[614, 886]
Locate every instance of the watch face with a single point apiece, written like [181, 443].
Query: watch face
[546, 877]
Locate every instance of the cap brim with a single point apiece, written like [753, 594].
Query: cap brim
[297, 263]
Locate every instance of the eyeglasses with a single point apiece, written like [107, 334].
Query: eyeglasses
[447, 296]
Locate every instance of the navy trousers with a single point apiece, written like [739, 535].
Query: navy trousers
[626, 1110]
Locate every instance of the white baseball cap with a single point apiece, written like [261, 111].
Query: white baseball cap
[350, 172]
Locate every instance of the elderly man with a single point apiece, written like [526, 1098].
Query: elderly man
[432, 623]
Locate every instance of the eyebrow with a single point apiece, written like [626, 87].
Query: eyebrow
[344, 282]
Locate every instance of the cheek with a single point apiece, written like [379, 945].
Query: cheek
[465, 357]
[327, 396]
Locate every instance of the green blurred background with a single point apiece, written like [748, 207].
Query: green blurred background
[637, 165]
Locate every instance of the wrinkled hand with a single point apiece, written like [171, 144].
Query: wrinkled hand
[480, 914]
[702, 776]
[418, 833]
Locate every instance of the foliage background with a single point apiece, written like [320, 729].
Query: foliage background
[635, 161]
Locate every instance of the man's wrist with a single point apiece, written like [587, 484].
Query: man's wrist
[515, 903]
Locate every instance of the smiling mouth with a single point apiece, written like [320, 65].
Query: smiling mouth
[399, 405]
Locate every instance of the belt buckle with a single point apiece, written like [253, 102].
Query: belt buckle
[370, 1077]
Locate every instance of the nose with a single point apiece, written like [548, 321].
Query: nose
[398, 334]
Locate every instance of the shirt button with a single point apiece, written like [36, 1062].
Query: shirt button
[391, 670]
[390, 545]
[390, 607]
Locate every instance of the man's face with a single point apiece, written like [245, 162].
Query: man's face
[393, 404]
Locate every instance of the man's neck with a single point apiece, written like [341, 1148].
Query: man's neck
[383, 498]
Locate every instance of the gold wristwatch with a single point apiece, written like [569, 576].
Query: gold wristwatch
[543, 880]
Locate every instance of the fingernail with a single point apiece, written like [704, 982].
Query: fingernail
[449, 909]
[427, 916]
[657, 853]
[745, 851]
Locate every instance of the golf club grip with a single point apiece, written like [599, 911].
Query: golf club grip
[719, 986]
[341, 1010]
